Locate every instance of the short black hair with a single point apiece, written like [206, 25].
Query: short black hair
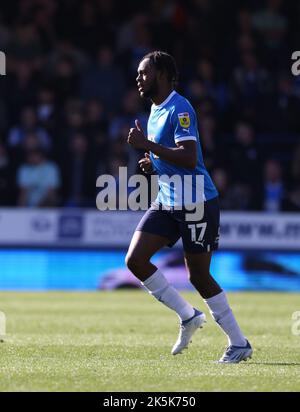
[164, 62]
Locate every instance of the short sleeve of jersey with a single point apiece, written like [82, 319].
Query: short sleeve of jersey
[184, 123]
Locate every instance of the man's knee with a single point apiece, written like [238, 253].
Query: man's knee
[205, 284]
[134, 262]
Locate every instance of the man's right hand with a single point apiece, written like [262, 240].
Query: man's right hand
[146, 164]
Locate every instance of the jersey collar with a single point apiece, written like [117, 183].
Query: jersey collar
[165, 101]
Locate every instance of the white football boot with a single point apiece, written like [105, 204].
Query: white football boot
[187, 329]
[235, 354]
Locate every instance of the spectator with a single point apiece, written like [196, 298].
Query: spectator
[26, 45]
[251, 86]
[22, 86]
[245, 162]
[131, 109]
[65, 48]
[79, 174]
[5, 34]
[28, 124]
[205, 71]
[3, 116]
[70, 86]
[273, 186]
[43, 17]
[65, 80]
[134, 40]
[213, 150]
[291, 201]
[71, 123]
[38, 180]
[271, 23]
[95, 117]
[7, 183]
[232, 196]
[285, 107]
[104, 81]
[88, 28]
[196, 90]
[244, 21]
[46, 107]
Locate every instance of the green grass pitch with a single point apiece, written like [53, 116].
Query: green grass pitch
[121, 341]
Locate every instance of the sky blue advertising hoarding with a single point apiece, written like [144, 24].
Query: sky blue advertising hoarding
[91, 270]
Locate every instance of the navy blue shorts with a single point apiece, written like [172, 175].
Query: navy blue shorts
[197, 237]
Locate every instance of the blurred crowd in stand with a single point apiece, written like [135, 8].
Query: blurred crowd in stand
[69, 96]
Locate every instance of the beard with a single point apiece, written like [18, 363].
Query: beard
[151, 91]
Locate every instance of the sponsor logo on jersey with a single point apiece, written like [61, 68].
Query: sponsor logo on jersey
[184, 119]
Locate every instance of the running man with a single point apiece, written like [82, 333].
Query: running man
[173, 148]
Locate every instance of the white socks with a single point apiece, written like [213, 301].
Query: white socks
[158, 286]
[222, 314]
